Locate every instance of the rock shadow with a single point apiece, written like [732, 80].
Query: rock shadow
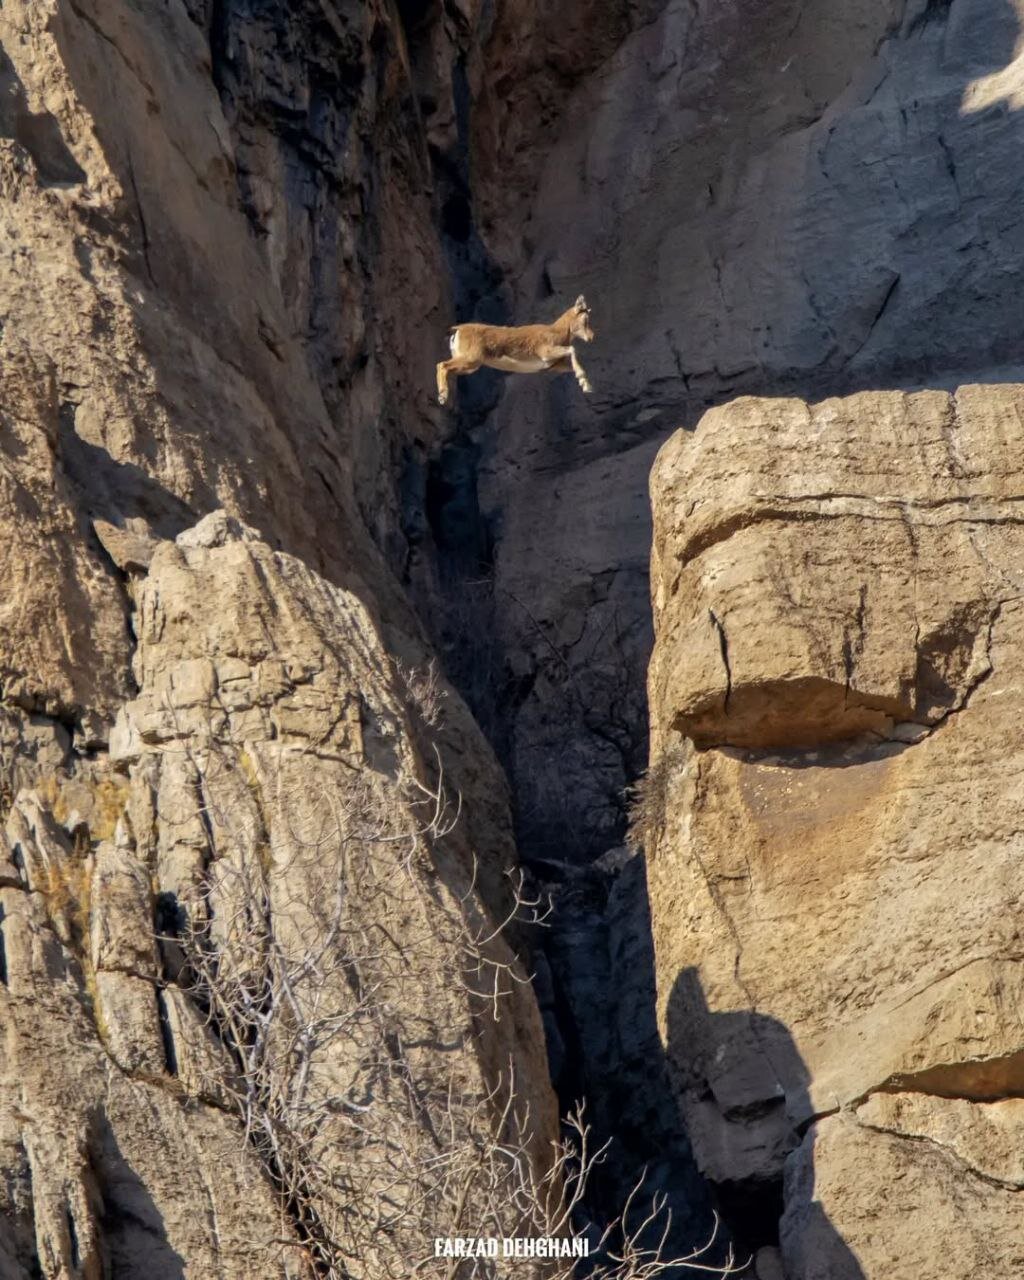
[743, 1090]
[115, 491]
[37, 131]
[596, 987]
[131, 1227]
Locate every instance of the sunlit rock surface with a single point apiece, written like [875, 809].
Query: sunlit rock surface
[834, 818]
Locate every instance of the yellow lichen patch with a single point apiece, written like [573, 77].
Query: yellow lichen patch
[251, 772]
[51, 792]
[111, 799]
[99, 801]
[250, 768]
[66, 889]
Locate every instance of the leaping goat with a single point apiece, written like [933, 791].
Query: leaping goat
[528, 348]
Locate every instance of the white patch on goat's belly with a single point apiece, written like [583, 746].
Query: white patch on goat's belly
[513, 364]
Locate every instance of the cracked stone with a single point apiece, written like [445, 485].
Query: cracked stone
[836, 876]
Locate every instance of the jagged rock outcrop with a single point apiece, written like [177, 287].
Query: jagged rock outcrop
[269, 760]
[194, 324]
[832, 819]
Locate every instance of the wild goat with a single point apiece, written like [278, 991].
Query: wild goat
[529, 348]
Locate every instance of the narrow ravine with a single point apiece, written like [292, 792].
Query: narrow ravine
[593, 960]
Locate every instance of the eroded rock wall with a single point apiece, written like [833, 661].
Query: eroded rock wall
[209, 675]
[759, 197]
[833, 816]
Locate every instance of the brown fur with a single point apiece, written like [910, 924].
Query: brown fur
[531, 347]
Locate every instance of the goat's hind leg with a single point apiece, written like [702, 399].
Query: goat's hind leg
[442, 382]
[456, 365]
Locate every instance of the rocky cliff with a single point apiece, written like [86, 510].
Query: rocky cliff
[240, 540]
[832, 832]
[807, 200]
[756, 196]
[249, 955]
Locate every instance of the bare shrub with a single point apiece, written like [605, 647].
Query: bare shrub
[350, 986]
[425, 690]
[648, 801]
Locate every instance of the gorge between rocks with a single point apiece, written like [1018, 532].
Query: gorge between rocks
[725, 658]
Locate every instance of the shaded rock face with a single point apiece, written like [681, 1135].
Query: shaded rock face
[600, 1009]
[754, 197]
[332, 171]
[832, 844]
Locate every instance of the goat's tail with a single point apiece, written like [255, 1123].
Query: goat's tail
[453, 337]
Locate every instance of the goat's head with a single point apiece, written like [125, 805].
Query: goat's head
[580, 320]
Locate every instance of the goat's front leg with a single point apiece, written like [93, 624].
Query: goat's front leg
[442, 382]
[565, 358]
[577, 369]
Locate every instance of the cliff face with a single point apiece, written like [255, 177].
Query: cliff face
[832, 837]
[760, 196]
[231, 515]
[767, 198]
[217, 705]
